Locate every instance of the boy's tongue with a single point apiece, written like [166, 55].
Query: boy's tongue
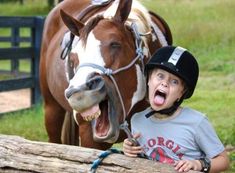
[159, 100]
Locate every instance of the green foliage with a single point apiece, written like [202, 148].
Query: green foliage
[29, 8]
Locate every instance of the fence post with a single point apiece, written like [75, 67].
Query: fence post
[36, 42]
[15, 43]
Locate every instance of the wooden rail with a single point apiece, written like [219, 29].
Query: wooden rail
[20, 155]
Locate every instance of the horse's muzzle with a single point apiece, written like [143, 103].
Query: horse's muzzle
[86, 95]
[95, 84]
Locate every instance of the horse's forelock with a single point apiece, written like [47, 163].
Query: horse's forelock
[138, 14]
[88, 27]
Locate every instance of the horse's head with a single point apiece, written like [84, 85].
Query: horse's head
[107, 58]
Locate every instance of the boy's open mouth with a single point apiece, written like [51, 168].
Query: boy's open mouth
[159, 97]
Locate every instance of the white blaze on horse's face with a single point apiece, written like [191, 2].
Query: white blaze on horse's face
[89, 54]
[139, 94]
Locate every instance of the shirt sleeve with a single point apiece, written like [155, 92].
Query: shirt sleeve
[208, 140]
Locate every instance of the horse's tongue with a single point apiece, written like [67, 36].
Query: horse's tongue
[159, 100]
[90, 111]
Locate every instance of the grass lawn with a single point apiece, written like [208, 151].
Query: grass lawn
[203, 27]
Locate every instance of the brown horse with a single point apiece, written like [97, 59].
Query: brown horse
[106, 58]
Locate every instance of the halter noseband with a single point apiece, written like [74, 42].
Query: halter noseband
[109, 72]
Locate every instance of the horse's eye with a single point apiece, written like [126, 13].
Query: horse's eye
[115, 45]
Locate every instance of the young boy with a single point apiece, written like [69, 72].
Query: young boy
[167, 132]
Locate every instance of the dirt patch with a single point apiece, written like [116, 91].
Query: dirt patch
[14, 100]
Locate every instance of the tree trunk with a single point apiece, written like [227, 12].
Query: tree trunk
[21, 155]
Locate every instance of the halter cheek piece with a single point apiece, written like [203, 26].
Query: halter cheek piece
[109, 72]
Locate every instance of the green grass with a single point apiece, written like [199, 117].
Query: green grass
[26, 123]
[206, 28]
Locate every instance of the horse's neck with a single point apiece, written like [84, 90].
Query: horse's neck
[138, 107]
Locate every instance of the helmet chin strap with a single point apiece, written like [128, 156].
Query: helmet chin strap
[168, 111]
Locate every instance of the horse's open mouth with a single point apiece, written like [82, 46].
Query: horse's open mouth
[98, 106]
[102, 124]
[99, 113]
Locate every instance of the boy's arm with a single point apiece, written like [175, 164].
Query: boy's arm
[219, 163]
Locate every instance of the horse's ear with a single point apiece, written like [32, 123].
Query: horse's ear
[123, 11]
[73, 24]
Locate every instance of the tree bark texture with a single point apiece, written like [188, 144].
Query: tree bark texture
[20, 155]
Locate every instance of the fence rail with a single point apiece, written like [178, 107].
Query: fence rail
[15, 52]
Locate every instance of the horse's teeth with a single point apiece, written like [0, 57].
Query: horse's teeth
[86, 118]
[98, 114]
[93, 116]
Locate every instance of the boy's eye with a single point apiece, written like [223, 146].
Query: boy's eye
[160, 76]
[175, 81]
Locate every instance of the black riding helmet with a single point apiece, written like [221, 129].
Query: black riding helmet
[179, 62]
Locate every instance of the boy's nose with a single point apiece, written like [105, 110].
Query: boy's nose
[164, 83]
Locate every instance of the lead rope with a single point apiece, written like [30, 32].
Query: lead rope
[101, 157]
[104, 154]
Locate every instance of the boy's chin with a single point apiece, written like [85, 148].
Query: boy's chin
[157, 107]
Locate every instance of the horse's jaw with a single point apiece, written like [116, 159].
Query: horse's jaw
[99, 106]
[110, 130]
[112, 110]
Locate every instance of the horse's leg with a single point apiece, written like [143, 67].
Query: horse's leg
[54, 117]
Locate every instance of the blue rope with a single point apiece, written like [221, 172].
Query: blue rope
[101, 157]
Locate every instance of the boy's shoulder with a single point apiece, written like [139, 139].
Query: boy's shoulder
[141, 114]
[192, 113]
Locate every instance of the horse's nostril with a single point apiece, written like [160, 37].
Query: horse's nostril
[95, 83]
[69, 92]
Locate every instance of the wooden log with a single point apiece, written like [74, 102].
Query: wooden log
[20, 155]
